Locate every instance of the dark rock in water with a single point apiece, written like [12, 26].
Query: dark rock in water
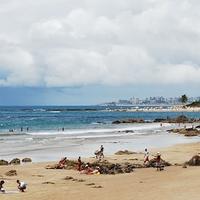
[179, 119]
[194, 161]
[3, 162]
[159, 120]
[26, 160]
[182, 119]
[134, 120]
[15, 161]
[11, 173]
[197, 126]
[152, 163]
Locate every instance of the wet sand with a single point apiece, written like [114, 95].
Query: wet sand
[173, 183]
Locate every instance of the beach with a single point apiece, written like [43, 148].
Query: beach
[174, 182]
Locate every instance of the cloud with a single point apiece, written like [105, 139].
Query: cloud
[86, 42]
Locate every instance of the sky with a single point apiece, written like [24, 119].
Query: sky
[73, 52]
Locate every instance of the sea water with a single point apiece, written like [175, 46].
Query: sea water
[50, 132]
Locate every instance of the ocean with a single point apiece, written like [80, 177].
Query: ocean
[49, 132]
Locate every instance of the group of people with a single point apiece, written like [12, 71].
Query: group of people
[21, 186]
[157, 159]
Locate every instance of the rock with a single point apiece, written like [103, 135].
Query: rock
[48, 182]
[68, 178]
[179, 119]
[197, 127]
[159, 120]
[152, 163]
[11, 173]
[186, 131]
[125, 152]
[15, 161]
[134, 120]
[26, 160]
[194, 161]
[3, 162]
[184, 165]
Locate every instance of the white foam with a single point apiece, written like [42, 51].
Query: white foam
[73, 132]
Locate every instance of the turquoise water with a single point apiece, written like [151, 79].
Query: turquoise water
[68, 117]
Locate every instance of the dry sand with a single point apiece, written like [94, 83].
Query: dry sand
[173, 183]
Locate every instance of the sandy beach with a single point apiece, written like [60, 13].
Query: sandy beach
[175, 182]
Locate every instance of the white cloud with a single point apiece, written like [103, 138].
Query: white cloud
[83, 42]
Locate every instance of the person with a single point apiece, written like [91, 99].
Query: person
[1, 187]
[21, 185]
[146, 156]
[102, 150]
[79, 163]
[158, 159]
[62, 163]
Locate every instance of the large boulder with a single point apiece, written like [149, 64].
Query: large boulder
[15, 161]
[152, 163]
[194, 161]
[186, 131]
[3, 162]
[134, 120]
[26, 160]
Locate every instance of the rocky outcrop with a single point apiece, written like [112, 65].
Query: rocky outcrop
[194, 161]
[15, 161]
[152, 163]
[125, 152]
[123, 121]
[3, 162]
[104, 167]
[179, 119]
[115, 168]
[186, 131]
[11, 173]
[195, 104]
[26, 160]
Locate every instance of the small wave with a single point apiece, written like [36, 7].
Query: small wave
[99, 130]
[11, 134]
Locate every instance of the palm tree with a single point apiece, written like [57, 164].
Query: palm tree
[184, 99]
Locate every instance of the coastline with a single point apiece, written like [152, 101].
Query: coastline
[156, 109]
[174, 182]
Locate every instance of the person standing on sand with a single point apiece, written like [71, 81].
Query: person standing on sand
[158, 159]
[79, 163]
[146, 156]
[21, 185]
[102, 150]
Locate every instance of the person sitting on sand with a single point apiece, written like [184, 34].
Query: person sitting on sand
[21, 185]
[1, 186]
[62, 163]
[146, 156]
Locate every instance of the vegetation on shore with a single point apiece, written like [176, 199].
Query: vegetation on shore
[195, 104]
